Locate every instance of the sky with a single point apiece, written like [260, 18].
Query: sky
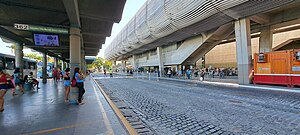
[4, 49]
[130, 9]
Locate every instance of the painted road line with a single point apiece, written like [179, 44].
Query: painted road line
[234, 85]
[118, 112]
[255, 87]
[106, 120]
[270, 88]
[59, 128]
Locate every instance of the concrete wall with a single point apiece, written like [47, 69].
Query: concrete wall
[224, 55]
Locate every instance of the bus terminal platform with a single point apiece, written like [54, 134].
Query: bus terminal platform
[45, 112]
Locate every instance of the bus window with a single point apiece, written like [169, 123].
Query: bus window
[25, 65]
[2, 62]
[10, 64]
[31, 65]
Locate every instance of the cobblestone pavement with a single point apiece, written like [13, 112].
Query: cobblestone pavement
[171, 107]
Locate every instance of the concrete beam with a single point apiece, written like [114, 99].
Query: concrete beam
[72, 9]
[95, 34]
[97, 18]
[260, 18]
[265, 40]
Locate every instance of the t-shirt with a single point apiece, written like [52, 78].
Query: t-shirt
[189, 72]
[30, 78]
[17, 77]
[3, 78]
[77, 78]
[54, 72]
[67, 78]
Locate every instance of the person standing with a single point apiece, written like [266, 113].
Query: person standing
[189, 73]
[67, 83]
[18, 81]
[54, 73]
[80, 84]
[104, 72]
[58, 74]
[110, 73]
[202, 74]
[169, 72]
[3, 88]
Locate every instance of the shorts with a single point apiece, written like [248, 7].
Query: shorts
[4, 87]
[67, 83]
[18, 82]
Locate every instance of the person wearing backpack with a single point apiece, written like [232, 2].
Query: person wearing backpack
[67, 83]
[80, 84]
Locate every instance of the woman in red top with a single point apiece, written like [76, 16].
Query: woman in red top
[58, 72]
[54, 73]
[3, 89]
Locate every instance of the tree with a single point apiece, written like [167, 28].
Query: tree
[98, 62]
[107, 65]
[34, 56]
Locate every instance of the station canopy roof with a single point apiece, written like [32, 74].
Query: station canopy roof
[95, 18]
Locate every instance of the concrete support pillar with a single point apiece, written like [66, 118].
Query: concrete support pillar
[44, 69]
[75, 59]
[123, 65]
[56, 62]
[19, 57]
[114, 65]
[83, 66]
[160, 61]
[134, 64]
[265, 40]
[243, 49]
[62, 65]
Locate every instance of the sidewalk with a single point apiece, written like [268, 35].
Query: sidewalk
[44, 112]
[231, 84]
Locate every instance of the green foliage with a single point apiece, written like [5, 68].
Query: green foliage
[100, 62]
[38, 57]
[34, 56]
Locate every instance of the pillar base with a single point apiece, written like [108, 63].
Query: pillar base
[244, 70]
[73, 97]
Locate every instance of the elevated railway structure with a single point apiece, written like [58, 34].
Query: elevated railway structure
[164, 33]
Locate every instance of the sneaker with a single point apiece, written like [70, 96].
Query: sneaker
[82, 103]
[38, 88]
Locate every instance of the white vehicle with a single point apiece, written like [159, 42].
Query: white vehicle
[7, 63]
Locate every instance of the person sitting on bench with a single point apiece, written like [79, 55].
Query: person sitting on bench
[33, 81]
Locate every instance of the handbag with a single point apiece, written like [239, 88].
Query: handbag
[73, 83]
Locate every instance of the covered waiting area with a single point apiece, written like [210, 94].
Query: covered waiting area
[68, 30]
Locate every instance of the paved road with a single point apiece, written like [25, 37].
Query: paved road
[171, 107]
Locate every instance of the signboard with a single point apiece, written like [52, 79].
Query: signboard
[21, 26]
[41, 29]
[46, 40]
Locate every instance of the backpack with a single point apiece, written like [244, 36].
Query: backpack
[73, 83]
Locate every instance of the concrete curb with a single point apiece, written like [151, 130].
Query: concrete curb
[117, 111]
[269, 88]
